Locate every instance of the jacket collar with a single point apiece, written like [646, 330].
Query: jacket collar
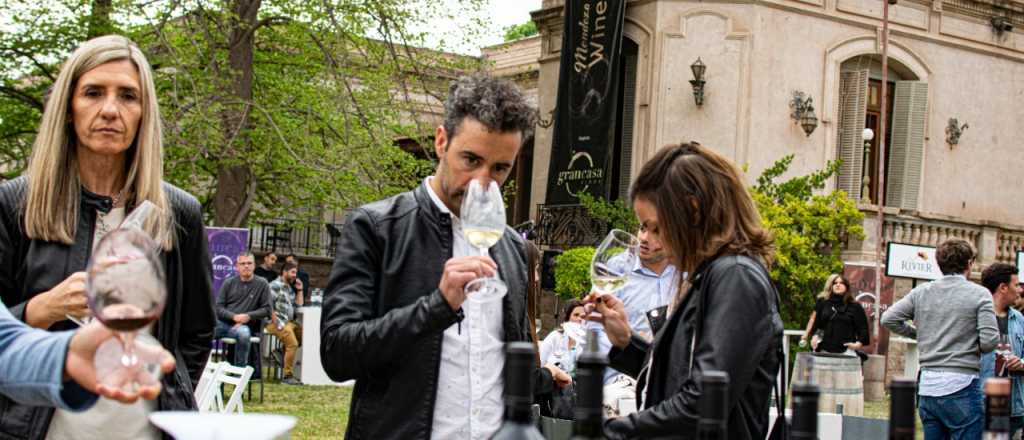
[100, 203]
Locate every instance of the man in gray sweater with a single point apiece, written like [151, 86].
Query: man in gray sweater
[954, 324]
[243, 302]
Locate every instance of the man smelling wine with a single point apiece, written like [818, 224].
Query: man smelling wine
[428, 363]
[1005, 361]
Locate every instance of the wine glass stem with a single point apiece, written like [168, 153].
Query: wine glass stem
[128, 357]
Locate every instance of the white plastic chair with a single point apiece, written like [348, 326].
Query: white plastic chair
[237, 376]
[208, 397]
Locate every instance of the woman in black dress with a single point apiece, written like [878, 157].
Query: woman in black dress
[838, 320]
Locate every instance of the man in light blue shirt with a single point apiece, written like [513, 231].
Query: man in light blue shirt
[41, 368]
[652, 284]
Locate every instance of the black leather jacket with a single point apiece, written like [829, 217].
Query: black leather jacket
[29, 267]
[384, 317]
[732, 313]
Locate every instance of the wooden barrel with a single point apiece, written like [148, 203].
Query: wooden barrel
[839, 379]
[874, 378]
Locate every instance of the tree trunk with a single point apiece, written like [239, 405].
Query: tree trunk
[236, 187]
[99, 19]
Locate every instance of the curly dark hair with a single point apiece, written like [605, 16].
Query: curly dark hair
[997, 274]
[496, 103]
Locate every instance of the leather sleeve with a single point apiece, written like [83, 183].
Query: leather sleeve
[354, 341]
[10, 234]
[629, 360]
[197, 317]
[737, 323]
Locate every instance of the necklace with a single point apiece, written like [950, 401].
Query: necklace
[101, 224]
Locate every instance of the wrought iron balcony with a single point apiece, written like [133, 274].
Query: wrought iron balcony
[565, 226]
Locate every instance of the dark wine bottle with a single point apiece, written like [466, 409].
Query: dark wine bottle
[902, 394]
[805, 411]
[714, 406]
[589, 411]
[997, 409]
[520, 361]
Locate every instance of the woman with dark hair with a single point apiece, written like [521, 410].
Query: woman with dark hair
[838, 322]
[726, 314]
[561, 346]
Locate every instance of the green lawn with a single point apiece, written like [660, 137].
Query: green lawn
[322, 410]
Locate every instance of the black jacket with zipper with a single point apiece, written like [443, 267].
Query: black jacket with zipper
[384, 317]
[185, 328]
[731, 313]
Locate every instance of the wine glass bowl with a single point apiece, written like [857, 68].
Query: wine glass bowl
[126, 292]
[483, 223]
[613, 261]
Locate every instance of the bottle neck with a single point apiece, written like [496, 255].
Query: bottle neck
[518, 412]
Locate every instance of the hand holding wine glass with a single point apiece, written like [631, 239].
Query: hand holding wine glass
[483, 224]
[126, 292]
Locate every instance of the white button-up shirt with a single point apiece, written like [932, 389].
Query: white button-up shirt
[469, 401]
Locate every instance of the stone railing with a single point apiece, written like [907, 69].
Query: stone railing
[1007, 245]
[919, 231]
[995, 242]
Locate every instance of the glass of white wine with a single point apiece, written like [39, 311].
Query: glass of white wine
[483, 224]
[613, 260]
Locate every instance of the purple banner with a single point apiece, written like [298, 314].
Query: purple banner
[225, 245]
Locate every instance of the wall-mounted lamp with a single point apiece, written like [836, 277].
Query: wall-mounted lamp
[697, 82]
[803, 112]
[865, 192]
[953, 132]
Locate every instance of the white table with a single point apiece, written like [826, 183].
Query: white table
[311, 371]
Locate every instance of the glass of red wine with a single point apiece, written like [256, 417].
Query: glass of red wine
[126, 292]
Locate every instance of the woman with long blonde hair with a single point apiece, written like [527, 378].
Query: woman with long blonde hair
[726, 316]
[99, 154]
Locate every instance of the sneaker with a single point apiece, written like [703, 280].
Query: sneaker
[291, 380]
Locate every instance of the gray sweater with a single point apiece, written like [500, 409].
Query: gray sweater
[237, 296]
[954, 321]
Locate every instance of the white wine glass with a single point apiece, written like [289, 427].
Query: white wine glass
[613, 261]
[126, 292]
[483, 224]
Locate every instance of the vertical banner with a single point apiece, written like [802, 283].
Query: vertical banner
[588, 84]
[862, 282]
[225, 245]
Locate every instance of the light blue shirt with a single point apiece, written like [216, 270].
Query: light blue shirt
[644, 290]
[1015, 335]
[32, 367]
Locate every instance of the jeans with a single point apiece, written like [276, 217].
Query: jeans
[241, 333]
[958, 416]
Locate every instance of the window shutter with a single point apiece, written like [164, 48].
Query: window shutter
[910, 104]
[628, 113]
[853, 103]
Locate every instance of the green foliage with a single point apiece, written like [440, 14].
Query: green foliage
[572, 272]
[334, 85]
[617, 214]
[521, 30]
[810, 230]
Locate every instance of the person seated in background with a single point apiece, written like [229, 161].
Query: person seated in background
[562, 345]
[300, 275]
[284, 299]
[266, 269]
[242, 304]
[44, 369]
